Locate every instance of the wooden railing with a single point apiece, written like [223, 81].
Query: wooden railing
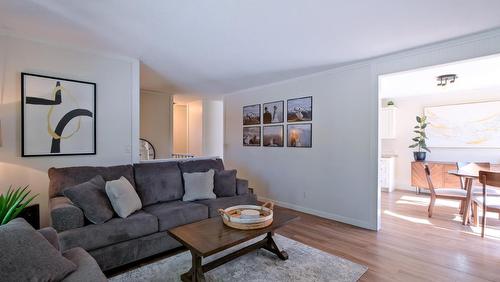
[182, 156]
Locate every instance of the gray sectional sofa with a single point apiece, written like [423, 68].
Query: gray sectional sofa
[159, 185]
[20, 242]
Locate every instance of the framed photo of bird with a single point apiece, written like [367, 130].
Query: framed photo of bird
[300, 109]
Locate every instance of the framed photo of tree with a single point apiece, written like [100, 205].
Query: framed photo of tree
[58, 116]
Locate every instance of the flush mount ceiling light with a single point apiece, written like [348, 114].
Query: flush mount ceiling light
[445, 78]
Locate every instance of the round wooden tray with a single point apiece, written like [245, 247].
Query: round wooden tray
[232, 216]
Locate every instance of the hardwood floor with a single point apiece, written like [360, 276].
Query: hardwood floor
[410, 246]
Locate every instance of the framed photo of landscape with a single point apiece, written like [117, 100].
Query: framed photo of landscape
[251, 136]
[251, 114]
[299, 109]
[299, 135]
[273, 136]
[273, 112]
[58, 116]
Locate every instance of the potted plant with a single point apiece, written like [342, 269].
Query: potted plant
[13, 203]
[419, 140]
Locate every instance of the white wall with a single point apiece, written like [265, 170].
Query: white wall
[180, 129]
[408, 108]
[155, 125]
[117, 109]
[213, 128]
[195, 128]
[337, 178]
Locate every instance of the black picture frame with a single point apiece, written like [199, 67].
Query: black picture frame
[281, 117]
[264, 136]
[291, 117]
[249, 143]
[308, 144]
[40, 101]
[253, 115]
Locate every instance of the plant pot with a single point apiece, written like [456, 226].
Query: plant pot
[419, 156]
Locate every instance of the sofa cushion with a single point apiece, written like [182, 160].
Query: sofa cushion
[87, 267]
[201, 165]
[222, 203]
[158, 182]
[27, 256]
[91, 197]
[123, 197]
[61, 178]
[241, 186]
[172, 214]
[65, 215]
[225, 183]
[198, 186]
[116, 230]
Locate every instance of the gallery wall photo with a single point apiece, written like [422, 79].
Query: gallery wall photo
[272, 136]
[251, 115]
[58, 116]
[273, 112]
[251, 136]
[299, 135]
[299, 109]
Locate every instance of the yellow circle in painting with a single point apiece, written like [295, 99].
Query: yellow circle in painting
[49, 114]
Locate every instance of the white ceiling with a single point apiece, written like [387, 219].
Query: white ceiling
[220, 46]
[475, 74]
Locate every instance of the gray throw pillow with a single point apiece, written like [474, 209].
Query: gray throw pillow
[198, 186]
[123, 197]
[91, 197]
[27, 256]
[225, 183]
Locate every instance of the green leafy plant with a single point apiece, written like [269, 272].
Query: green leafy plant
[13, 203]
[419, 129]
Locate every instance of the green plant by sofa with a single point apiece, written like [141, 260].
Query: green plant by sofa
[12, 203]
[419, 140]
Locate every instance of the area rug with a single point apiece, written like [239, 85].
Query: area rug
[304, 264]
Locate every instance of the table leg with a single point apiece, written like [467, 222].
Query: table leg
[271, 246]
[468, 201]
[195, 274]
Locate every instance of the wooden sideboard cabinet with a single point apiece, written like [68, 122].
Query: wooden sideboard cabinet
[439, 174]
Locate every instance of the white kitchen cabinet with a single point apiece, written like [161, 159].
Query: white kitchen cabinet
[388, 122]
[387, 174]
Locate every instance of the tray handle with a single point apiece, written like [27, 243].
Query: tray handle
[224, 213]
[269, 205]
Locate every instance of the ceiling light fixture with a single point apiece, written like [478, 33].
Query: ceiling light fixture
[445, 78]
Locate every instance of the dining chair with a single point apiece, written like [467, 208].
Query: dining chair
[442, 193]
[477, 187]
[489, 203]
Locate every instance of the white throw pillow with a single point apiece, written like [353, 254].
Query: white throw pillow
[123, 197]
[199, 186]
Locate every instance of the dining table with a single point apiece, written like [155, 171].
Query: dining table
[468, 176]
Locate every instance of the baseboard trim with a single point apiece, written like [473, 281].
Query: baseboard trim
[327, 215]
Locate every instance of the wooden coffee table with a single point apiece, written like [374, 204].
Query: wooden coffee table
[210, 236]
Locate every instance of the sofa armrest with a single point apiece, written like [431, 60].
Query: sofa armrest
[65, 215]
[51, 235]
[241, 186]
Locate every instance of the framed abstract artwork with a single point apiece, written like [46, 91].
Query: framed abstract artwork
[299, 135]
[273, 112]
[251, 136]
[58, 116]
[251, 114]
[471, 125]
[299, 109]
[272, 136]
